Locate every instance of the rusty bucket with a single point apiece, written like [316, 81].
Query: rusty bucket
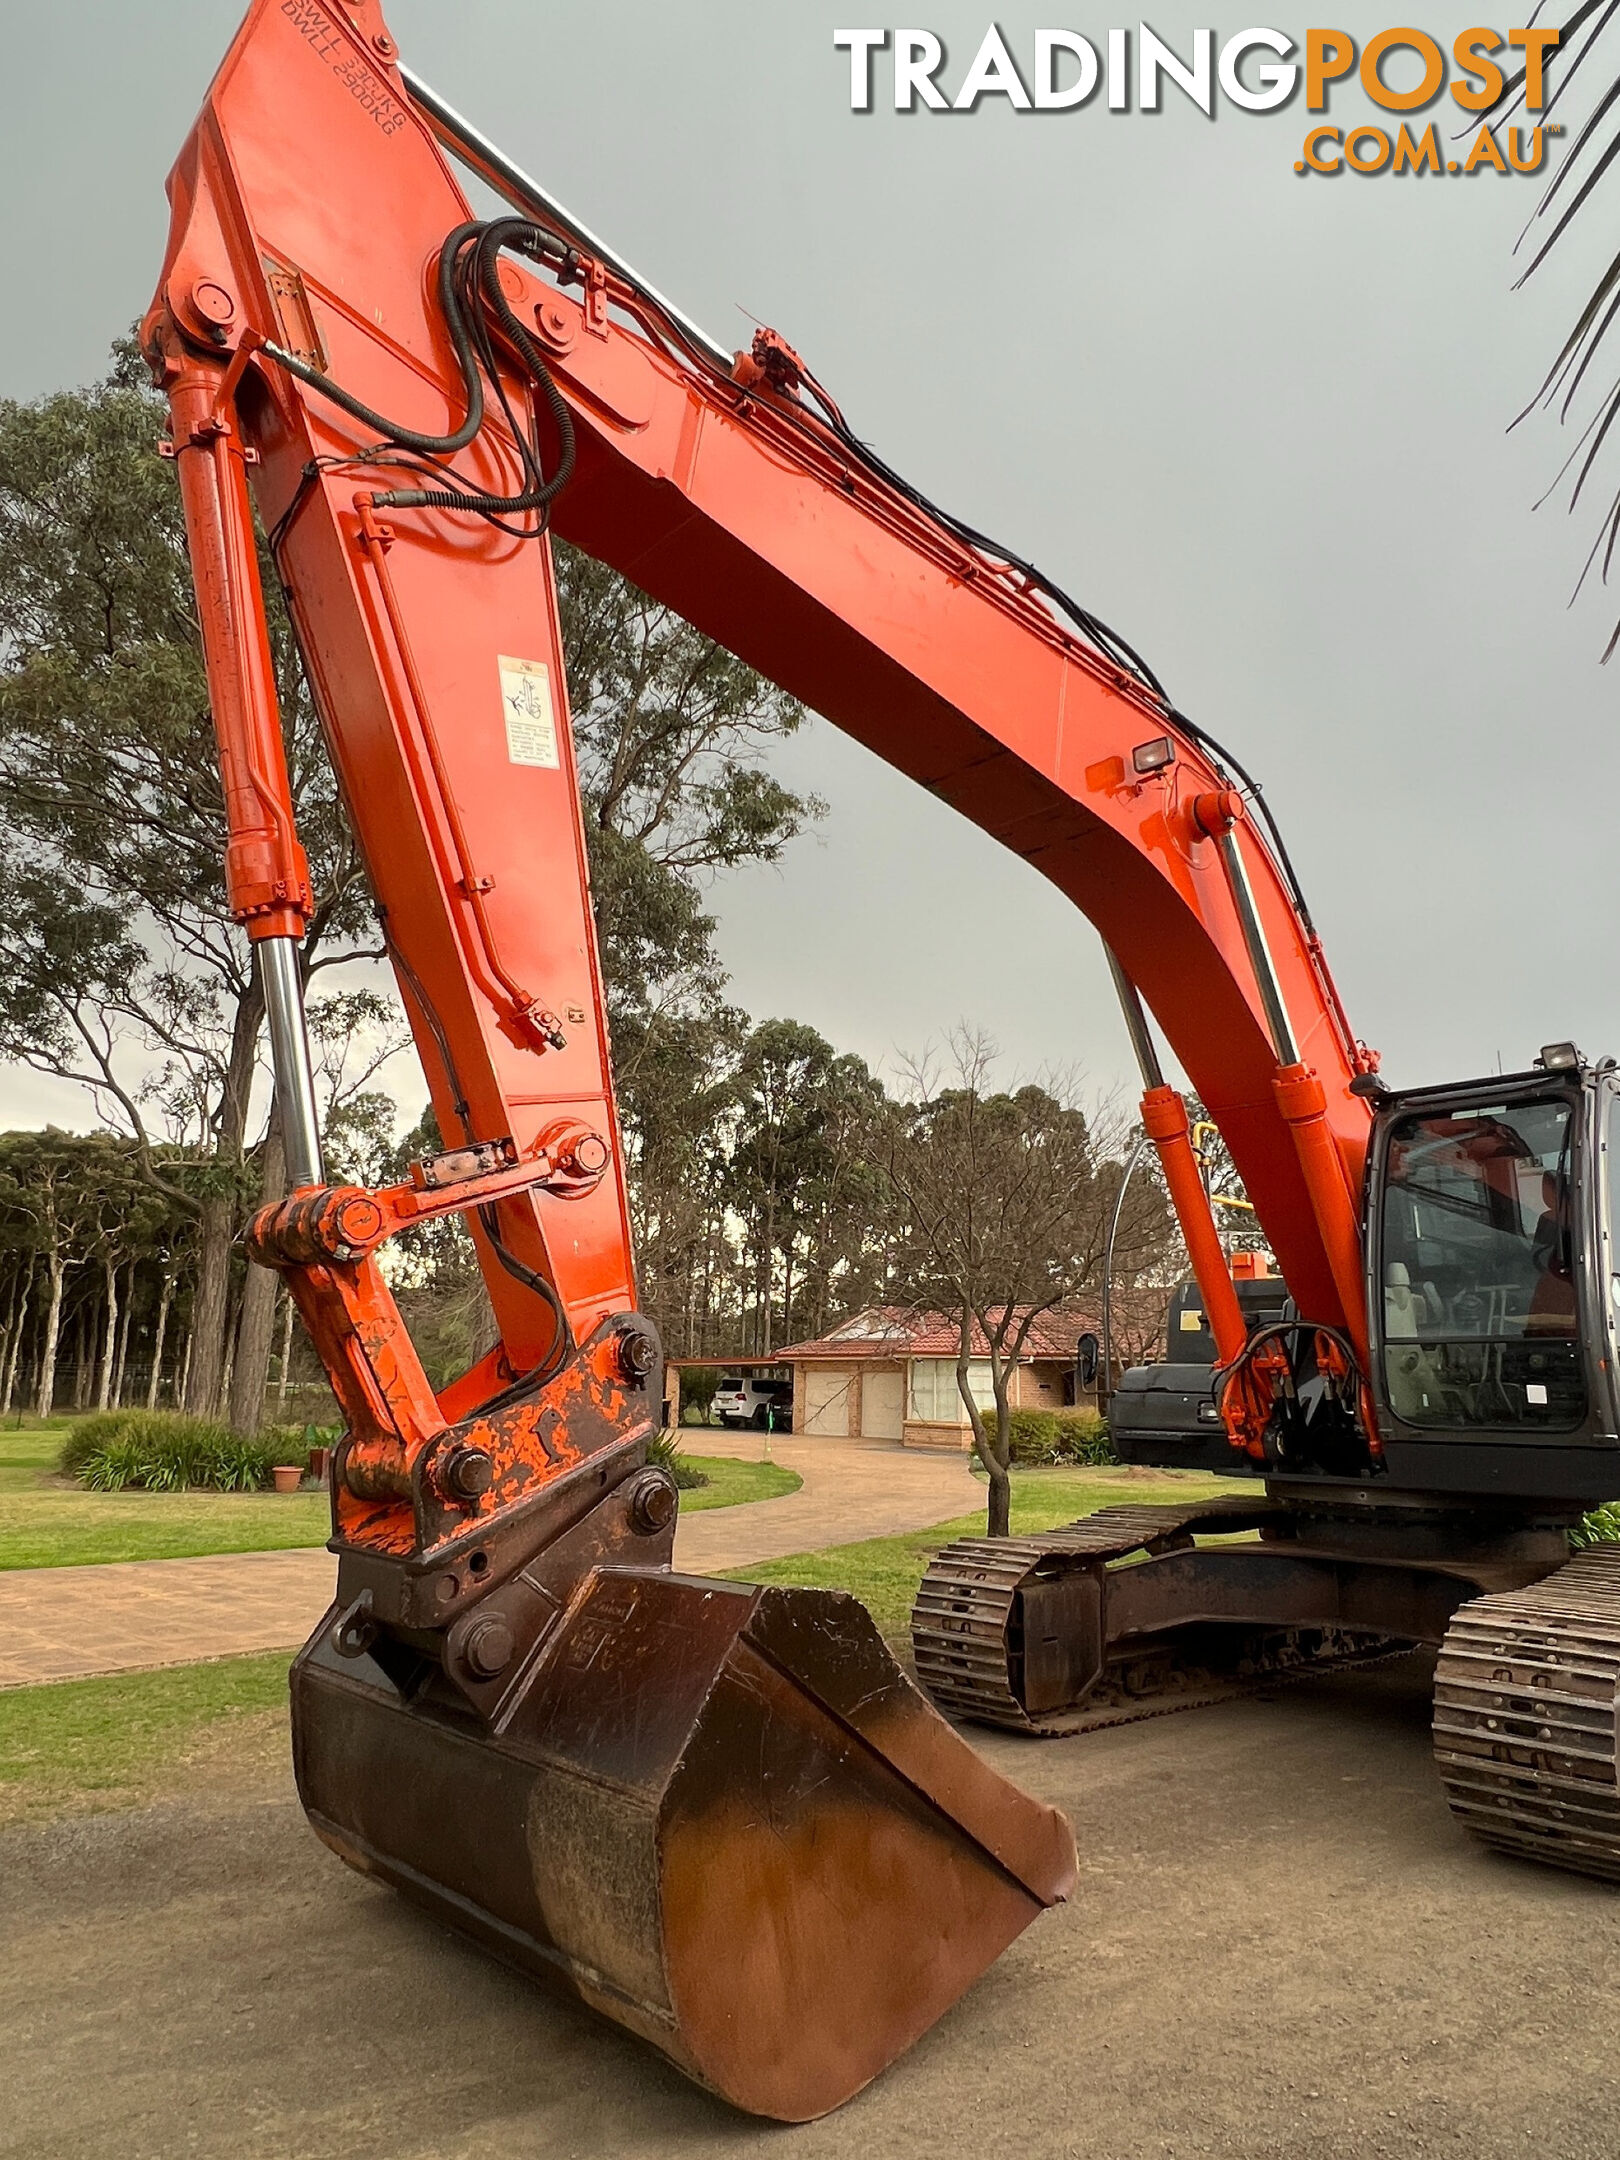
[719, 1813]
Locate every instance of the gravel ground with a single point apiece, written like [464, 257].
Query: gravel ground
[1280, 1946]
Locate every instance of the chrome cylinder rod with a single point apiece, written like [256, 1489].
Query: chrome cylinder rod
[508, 179]
[1105, 1390]
[283, 988]
[1136, 1023]
[1254, 939]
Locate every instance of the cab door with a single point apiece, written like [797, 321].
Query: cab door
[1606, 1268]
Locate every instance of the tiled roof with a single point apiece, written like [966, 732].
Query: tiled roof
[898, 1331]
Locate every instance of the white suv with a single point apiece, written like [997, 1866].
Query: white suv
[767, 1404]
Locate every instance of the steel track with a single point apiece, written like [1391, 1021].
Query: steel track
[960, 1623]
[1524, 1717]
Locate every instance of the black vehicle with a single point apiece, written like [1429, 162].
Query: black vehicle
[1166, 1414]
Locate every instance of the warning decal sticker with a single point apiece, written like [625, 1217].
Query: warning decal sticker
[531, 725]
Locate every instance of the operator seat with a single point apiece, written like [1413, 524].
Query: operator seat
[1412, 1373]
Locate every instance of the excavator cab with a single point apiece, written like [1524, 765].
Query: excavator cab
[1492, 1283]
[1493, 1309]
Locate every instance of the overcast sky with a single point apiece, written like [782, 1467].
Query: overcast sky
[1255, 421]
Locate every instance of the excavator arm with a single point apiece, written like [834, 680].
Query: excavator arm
[722, 1815]
[732, 490]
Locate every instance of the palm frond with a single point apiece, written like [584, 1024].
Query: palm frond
[1592, 152]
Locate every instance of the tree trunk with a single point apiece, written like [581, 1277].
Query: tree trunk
[705, 1311]
[160, 1330]
[46, 1397]
[285, 1373]
[998, 1505]
[16, 1305]
[205, 1351]
[998, 1512]
[15, 1349]
[81, 1356]
[210, 1308]
[109, 1337]
[182, 1385]
[255, 1330]
[122, 1358]
[992, 1453]
[230, 1355]
[769, 1257]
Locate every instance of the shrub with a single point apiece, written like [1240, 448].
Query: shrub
[665, 1450]
[111, 1468]
[165, 1451]
[1086, 1437]
[88, 1436]
[1060, 1436]
[698, 1383]
[1033, 1436]
[293, 1443]
[1600, 1527]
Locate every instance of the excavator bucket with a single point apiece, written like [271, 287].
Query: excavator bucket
[720, 1814]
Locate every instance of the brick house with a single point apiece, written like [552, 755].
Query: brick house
[890, 1374]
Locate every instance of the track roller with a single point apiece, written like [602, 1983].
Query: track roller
[1524, 1717]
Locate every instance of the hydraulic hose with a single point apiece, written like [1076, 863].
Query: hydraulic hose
[470, 296]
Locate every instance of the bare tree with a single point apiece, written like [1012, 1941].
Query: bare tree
[1003, 1202]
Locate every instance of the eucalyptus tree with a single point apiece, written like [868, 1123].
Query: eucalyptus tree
[121, 966]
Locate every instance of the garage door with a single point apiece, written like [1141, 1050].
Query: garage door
[883, 1405]
[826, 1401]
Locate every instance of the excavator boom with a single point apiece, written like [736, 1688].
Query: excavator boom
[722, 1815]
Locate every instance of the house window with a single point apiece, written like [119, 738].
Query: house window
[935, 1397]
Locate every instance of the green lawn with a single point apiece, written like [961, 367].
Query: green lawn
[24, 1453]
[106, 1743]
[45, 1522]
[61, 1526]
[733, 1482]
[85, 1744]
[884, 1572]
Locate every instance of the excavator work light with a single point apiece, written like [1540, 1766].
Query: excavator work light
[1152, 757]
[1559, 1057]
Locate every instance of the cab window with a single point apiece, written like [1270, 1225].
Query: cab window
[1478, 1268]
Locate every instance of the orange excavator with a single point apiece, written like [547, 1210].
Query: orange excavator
[720, 1814]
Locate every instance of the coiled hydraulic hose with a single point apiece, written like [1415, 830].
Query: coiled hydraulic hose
[471, 298]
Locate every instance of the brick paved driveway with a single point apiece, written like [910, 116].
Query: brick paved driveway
[67, 1623]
